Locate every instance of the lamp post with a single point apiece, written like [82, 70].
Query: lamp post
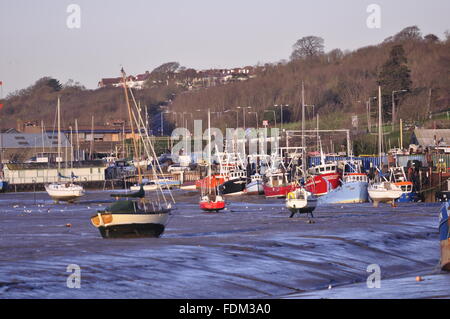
[237, 116]
[243, 111]
[257, 123]
[394, 115]
[281, 106]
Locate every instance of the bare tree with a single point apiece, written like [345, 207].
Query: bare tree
[310, 46]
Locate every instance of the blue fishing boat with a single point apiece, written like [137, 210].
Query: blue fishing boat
[398, 176]
[444, 237]
[352, 190]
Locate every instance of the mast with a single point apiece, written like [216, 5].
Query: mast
[91, 148]
[59, 138]
[209, 150]
[303, 128]
[78, 140]
[131, 124]
[380, 129]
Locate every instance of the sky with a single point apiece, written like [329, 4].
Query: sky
[142, 34]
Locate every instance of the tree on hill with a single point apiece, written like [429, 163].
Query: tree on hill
[394, 76]
[307, 47]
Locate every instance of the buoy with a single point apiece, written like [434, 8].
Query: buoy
[68, 225]
[419, 278]
[329, 287]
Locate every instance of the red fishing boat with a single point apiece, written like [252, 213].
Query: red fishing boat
[323, 178]
[278, 185]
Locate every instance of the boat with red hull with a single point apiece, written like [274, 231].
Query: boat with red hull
[210, 204]
[323, 178]
[278, 185]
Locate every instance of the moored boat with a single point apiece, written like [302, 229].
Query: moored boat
[323, 178]
[255, 186]
[444, 236]
[353, 190]
[132, 218]
[135, 216]
[63, 191]
[384, 192]
[300, 201]
[277, 185]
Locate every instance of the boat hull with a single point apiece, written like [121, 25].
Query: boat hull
[301, 206]
[255, 188]
[347, 193]
[233, 187]
[444, 237]
[409, 197]
[131, 230]
[279, 191]
[64, 194]
[322, 184]
[3, 186]
[132, 225]
[209, 206]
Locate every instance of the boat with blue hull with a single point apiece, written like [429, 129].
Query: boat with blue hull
[353, 188]
[444, 236]
[398, 176]
[3, 185]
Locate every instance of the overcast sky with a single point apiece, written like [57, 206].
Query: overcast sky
[142, 34]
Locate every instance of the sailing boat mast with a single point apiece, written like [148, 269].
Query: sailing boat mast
[209, 150]
[380, 132]
[131, 124]
[59, 139]
[303, 128]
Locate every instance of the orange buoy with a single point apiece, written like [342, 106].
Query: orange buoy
[68, 225]
[419, 278]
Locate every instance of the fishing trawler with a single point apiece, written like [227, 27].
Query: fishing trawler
[210, 199]
[63, 191]
[136, 215]
[300, 201]
[353, 188]
[255, 186]
[277, 184]
[398, 176]
[237, 180]
[444, 236]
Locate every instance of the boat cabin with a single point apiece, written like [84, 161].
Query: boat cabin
[323, 169]
[357, 177]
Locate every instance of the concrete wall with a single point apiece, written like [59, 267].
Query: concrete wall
[29, 176]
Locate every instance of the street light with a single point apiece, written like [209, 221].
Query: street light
[257, 122]
[243, 111]
[281, 105]
[237, 116]
[393, 105]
